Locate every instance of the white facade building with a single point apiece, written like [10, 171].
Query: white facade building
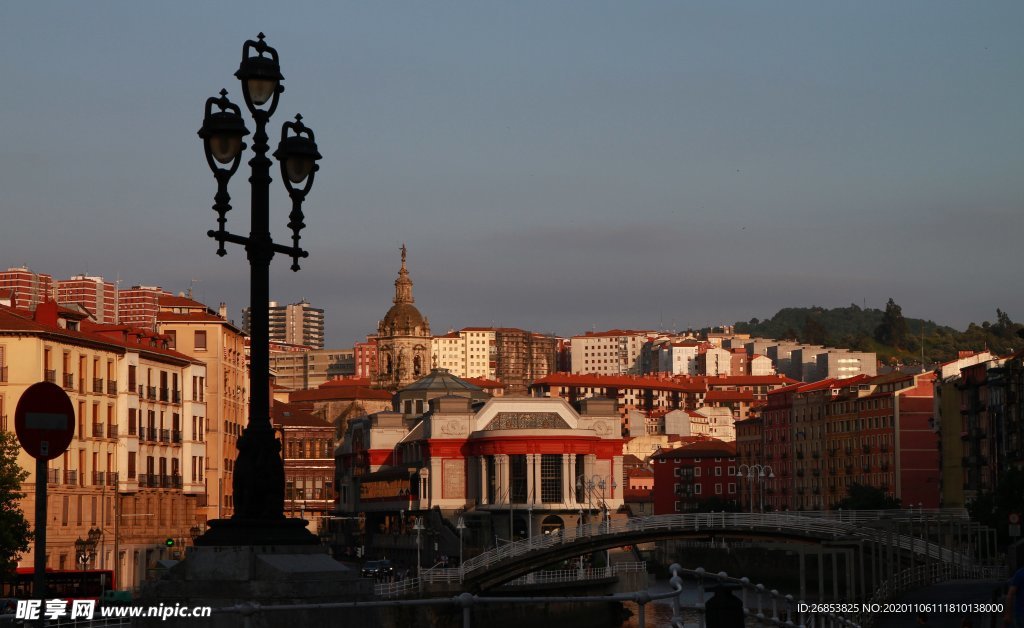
[615, 352]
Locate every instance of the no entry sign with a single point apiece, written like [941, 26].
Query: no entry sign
[44, 421]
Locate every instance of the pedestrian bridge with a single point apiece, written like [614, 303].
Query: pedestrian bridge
[513, 560]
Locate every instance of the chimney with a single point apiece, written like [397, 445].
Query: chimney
[222, 311]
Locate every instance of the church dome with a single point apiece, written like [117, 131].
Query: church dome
[402, 316]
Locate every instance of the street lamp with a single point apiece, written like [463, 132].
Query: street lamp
[418, 526]
[259, 470]
[460, 525]
[762, 473]
[85, 549]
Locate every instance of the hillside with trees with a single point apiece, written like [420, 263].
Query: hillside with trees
[887, 332]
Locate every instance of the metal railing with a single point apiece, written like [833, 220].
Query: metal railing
[924, 575]
[97, 384]
[111, 387]
[766, 607]
[802, 524]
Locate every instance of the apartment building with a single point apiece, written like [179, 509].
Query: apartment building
[95, 294]
[138, 306]
[297, 324]
[200, 333]
[133, 469]
[25, 289]
[614, 352]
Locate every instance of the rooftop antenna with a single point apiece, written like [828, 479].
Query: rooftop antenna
[190, 284]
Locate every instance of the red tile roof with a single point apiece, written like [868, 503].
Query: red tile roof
[729, 395]
[482, 382]
[702, 449]
[345, 393]
[170, 300]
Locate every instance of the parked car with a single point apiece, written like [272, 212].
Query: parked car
[379, 569]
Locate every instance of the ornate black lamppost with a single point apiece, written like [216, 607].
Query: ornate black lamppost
[259, 471]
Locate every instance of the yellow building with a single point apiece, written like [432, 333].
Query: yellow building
[126, 472]
[197, 331]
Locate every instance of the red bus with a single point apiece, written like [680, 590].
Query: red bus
[66, 584]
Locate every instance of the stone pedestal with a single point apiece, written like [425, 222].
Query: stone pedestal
[224, 576]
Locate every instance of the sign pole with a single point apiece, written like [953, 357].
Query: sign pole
[39, 575]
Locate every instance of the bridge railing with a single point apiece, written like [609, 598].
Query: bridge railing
[575, 575]
[765, 607]
[922, 576]
[781, 521]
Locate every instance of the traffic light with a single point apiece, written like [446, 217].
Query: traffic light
[359, 551]
[169, 542]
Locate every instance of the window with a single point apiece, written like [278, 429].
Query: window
[551, 478]
[718, 472]
[718, 488]
[517, 478]
[172, 338]
[131, 464]
[696, 489]
[200, 341]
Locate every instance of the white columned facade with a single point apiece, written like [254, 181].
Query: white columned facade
[502, 480]
[531, 475]
[484, 497]
[568, 480]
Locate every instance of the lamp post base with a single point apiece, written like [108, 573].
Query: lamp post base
[239, 532]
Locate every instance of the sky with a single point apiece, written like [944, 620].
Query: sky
[555, 166]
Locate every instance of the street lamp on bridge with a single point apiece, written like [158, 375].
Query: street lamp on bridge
[259, 470]
[761, 473]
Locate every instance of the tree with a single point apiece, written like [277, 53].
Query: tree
[15, 532]
[864, 497]
[993, 509]
[893, 329]
[814, 332]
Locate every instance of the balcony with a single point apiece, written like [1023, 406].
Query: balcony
[883, 448]
[112, 430]
[111, 387]
[3, 374]
[71, 477]
[866, 448]
[142, 433]
[97, 385]
[175, 436]
[867, 468]
[69, 381]
[51, 376]
[151, 393]
[112, 478]
[98, 479]
[175, 481]
[175, 396]
[165, 436]
[53, 476]
[142, 393]
[97, 430]
[165, 394]
[165, 480]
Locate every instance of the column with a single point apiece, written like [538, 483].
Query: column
[531, 484]
[502, 480]
[567, 480]
[615, 494]
[484, 498]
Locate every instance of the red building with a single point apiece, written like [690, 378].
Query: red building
[695, 475]
[27, 289]
[821, 438]
[366, 358]
[92, 293]
[138, 306]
